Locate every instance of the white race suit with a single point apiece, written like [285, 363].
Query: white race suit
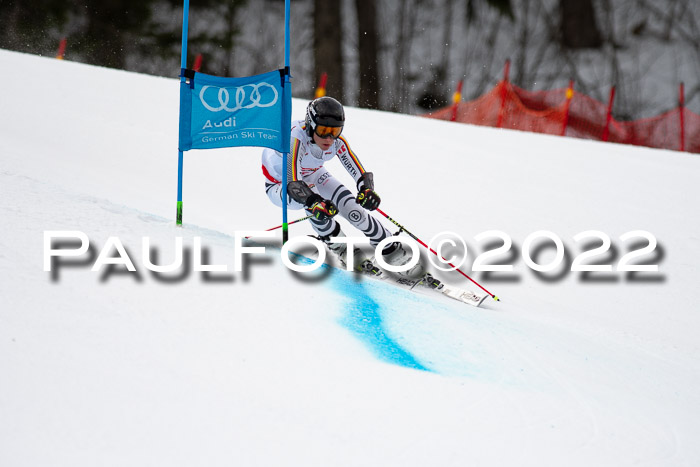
[305, 163]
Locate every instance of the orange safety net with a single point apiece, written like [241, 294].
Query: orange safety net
[508, 106]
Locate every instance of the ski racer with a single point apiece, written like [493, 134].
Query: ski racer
[315, 140]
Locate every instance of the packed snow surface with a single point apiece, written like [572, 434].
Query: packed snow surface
[268, 367]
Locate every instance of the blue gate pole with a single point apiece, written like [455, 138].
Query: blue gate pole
[183, 82]
[286, 121]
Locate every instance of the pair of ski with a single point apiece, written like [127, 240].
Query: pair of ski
[426, 283]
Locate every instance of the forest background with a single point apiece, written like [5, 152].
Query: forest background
[398, 55]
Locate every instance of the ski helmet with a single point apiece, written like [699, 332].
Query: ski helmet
[324, 111]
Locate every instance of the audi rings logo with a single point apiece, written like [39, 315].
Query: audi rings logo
[247, 96]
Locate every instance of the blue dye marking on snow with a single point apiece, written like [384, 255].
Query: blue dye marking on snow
[364, 320]
[363, 317]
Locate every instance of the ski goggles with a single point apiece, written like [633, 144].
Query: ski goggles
[324, 131]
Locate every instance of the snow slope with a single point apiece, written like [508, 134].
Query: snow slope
[263, 367]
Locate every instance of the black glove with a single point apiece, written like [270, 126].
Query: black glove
[321, 208]
[367, 197]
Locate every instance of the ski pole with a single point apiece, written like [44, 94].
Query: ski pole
[402, 228]
[289, 223]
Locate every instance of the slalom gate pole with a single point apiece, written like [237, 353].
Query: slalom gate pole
[286, 118]
[183, 79]
[402, 228]
[287, 224]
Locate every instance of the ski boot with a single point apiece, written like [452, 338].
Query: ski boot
[395, 255]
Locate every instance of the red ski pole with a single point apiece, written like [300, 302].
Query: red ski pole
[435, 253]
[289, 223]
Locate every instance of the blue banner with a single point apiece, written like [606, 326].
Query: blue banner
[220, 112]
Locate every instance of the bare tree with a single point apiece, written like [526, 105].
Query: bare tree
[367, 43]
[230, 12]
[435, 94]
[405, 21]
[404, 29]
[579, 28]
[328, 36]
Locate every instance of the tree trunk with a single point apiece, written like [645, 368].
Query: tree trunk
[369, 73]
[328, 56]
[104, 41]
[578, 27]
